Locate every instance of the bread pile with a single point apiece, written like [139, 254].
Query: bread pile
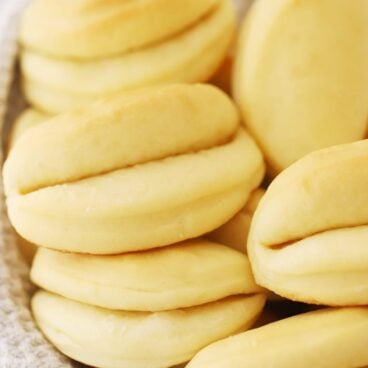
[146, 205]
[301, 82]
[75, 52]
[144, 172]
[308, 243]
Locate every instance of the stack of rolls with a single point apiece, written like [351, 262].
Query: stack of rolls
[118, 197]
[308, 243]
[301, 82]
[74, 53]
[156, 245]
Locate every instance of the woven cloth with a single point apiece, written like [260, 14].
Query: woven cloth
[21, 344]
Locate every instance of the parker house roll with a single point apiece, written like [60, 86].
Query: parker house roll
[145, 169]
[183, 275]
[57, 84]
[309, 236]
[26, 120]
[334, 337]
[83, 29]
[121, 339]
[301, 76]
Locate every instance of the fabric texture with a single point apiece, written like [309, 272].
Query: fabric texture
[21, 343]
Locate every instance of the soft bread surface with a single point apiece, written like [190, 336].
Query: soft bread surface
[56, 85]
[132, 128]
[119, 339]
[172, 200]
[235, 232]
[26, 120]
[308, 239]
[129, 165]
[190, 273]
[95, 28]
[326, 338]
[301, 76]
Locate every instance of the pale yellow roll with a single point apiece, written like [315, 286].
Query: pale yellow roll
[183, 275]
[321, 339]
[56, 85]
[172, 200]
[301, 75]
[309, 235]
[26, 120]
[118, 339]
[131, 128]
[94, 28]
[129, 165]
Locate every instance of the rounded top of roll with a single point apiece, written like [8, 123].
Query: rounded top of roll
[94, 28]
[133, 128]
[181, 275]
[325, 190]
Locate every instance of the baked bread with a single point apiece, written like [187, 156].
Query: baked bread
[119, 339]
[308, 239]
[335, 337]
[146, 169]
[89, 29]
[301, 76]
[235, 232]
[27, 119]
[178, 276]
[55, 85]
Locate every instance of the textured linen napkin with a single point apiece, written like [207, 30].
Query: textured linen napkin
[21, 343]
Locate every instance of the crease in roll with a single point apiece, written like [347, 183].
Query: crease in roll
[55, 84]
[181, 179]
[182, 275]
[92, 29]
[309, 234]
